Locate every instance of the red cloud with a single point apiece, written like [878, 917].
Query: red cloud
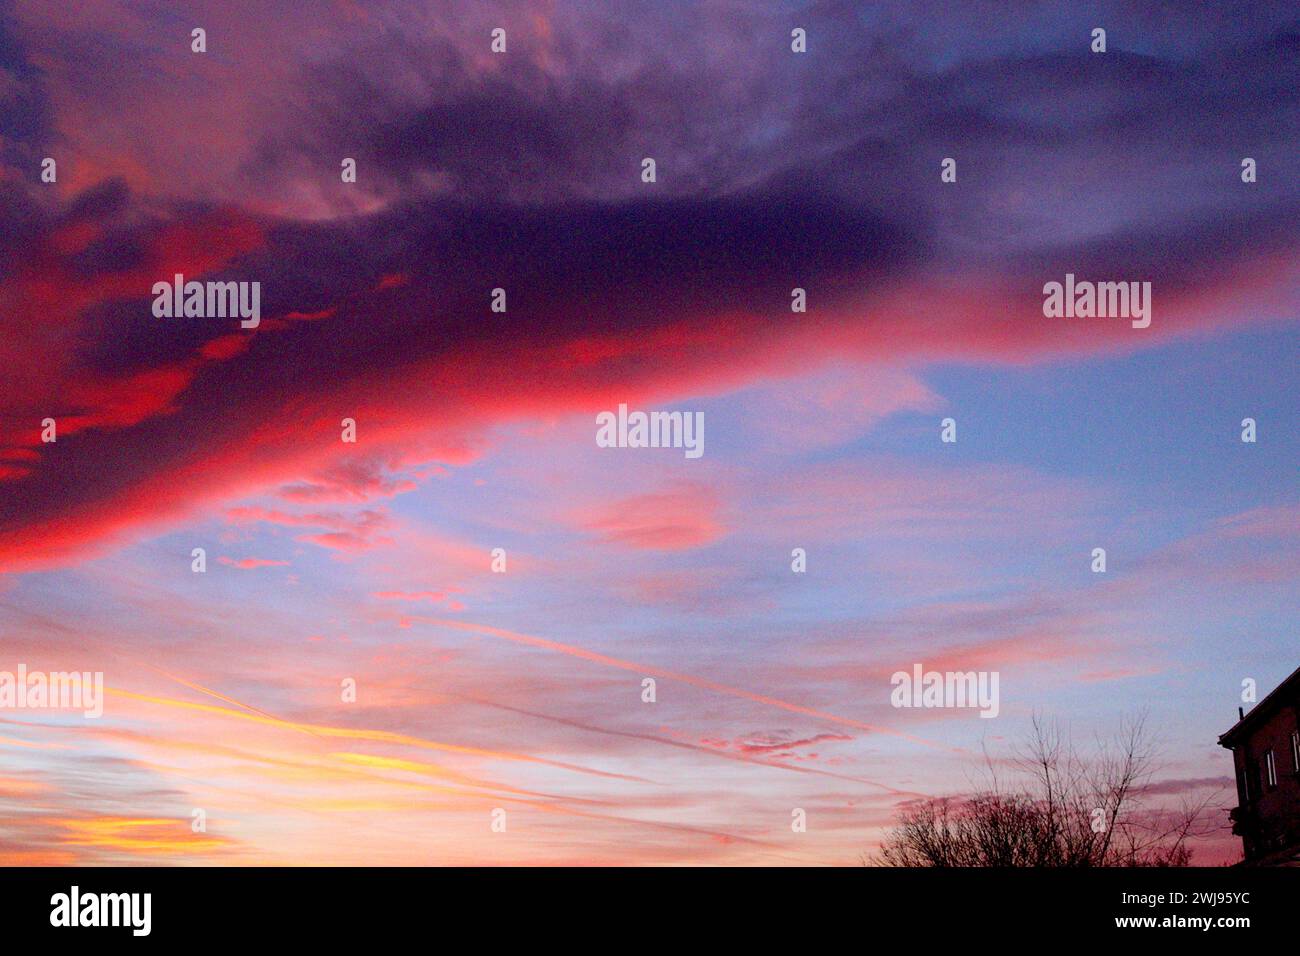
[198, 424]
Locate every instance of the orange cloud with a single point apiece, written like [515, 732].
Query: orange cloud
[136, 835]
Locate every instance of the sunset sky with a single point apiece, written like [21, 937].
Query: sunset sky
[475, 430]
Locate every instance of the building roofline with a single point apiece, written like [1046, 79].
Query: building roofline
[1271, 700]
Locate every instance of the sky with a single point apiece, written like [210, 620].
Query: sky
[371, 562]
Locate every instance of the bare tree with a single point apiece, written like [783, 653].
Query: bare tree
[1065, 811]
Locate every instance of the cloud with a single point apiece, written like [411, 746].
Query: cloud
[777, 747]
[615, 291]
[690, 298]
[1178, 786]
[686, 516]
[248, 564]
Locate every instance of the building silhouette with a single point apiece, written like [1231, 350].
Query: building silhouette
[1265, 745]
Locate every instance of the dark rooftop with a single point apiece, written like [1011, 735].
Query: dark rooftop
[1268, 705]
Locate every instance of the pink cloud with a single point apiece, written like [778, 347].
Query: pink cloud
[247, 564]
[409, 595]
[345, 532]
[683, 517]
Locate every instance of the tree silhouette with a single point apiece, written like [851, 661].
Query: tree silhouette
[1064, 810]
